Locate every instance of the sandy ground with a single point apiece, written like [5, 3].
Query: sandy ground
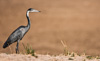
[77, 22]
[20, 57]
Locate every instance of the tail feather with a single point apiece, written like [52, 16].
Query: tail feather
[6, 44]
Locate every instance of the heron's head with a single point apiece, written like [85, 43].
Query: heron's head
[32, 10]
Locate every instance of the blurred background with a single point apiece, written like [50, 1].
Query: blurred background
[77, 22]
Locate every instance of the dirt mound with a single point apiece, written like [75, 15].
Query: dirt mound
[20, 57]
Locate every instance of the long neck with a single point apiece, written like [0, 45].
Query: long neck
[27, 15]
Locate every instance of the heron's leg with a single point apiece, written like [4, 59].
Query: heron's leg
[17, 50]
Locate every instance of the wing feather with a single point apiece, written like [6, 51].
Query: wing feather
[17, 34]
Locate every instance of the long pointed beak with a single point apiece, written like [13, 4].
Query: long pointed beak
[35, 11]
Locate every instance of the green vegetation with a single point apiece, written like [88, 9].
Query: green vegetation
[92, 57]
[29, 50]
[98, 57]
[70, 59]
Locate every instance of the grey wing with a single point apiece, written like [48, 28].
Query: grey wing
[16, 35]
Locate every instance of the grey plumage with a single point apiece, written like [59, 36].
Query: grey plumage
[16, 35]
[19, 33]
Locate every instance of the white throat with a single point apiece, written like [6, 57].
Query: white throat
[28, 13]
